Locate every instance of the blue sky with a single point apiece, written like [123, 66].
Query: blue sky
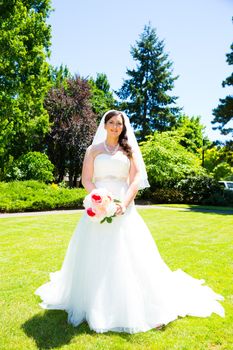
[95, 36]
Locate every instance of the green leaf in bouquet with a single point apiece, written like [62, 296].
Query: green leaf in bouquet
[116, 201]
[102, 221]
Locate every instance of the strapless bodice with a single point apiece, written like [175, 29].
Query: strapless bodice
[111, 172]
[112, 167]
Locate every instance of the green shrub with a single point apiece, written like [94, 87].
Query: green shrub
[199, 189]
[31, 166]
[161, 195]
[193, 190]
[167, 162]
[228, 196]
[225, 198]
[167, 195]
[19, 196]
[222, 171]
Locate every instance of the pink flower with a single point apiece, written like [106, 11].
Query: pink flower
[100, 211]
[106, 201]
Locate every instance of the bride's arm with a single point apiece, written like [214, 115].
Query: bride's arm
[134, 177]
[87, 170]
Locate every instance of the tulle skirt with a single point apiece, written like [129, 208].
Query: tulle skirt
[114, 278]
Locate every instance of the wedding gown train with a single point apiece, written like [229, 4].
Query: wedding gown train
[113, 276]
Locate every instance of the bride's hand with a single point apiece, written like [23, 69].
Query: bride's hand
[120, 209]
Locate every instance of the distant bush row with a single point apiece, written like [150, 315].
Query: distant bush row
[20, 196]
[192, 190]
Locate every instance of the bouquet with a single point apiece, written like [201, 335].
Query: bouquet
[100, 205]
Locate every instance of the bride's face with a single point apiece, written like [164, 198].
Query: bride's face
[114, 126]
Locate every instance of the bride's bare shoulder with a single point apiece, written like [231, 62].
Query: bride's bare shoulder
[93, 150]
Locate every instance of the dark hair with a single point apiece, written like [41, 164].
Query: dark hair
[123, 138]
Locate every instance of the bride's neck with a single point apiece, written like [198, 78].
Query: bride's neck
[111, 141]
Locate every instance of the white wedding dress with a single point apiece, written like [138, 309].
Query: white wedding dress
[113, 276]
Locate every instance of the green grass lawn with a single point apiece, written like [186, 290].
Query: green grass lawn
[199, 243]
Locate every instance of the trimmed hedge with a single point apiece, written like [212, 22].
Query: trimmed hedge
[31, 195]
[20, 196]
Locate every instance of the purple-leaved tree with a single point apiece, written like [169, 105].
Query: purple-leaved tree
[73, 125]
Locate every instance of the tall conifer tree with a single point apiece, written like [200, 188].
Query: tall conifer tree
[145, 93]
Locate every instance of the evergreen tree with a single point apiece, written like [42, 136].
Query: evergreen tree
[24, 75]
[101, 96]
[59, 75]
[145, 94]
[224, 112]
[102, 83]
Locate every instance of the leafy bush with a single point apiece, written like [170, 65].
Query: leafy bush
[19, 196]
[228, 197]
[222, 171]
[225, 198]
[167, 195]
[168, 162]
[193, 190]
[31, 166]
[160, 195]
[199, 189]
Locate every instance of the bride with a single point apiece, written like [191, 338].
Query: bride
[112, 275]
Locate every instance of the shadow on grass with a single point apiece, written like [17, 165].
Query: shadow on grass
[210, 210]
[51, 329]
